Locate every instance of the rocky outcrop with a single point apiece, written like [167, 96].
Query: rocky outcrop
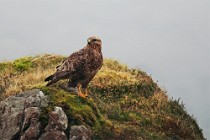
[20, 111]
[31, 120]
[20, 119]
[79, 133]
[57, 124]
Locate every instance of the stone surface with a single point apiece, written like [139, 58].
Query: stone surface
[11, 115]
[57, 120]
[57, 124]
[80, 133]
[20, 113]
[36, 98]
[31, 120]
[53, 135]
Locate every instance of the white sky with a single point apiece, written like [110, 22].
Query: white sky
[169, 39]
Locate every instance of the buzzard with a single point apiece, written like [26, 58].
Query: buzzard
[80, 67]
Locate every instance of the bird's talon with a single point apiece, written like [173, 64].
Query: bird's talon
[82, 95]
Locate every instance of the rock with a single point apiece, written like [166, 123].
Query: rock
[57, 124]
[36, 98]
[53, 135]
[20, 113]
[57, 120]
[80, 133]
[11, 115]
[19, 119]
[31, 119]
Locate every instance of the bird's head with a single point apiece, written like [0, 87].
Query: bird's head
[93, 40]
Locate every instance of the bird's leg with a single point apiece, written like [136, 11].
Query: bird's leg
[79, 86]
[86, 92]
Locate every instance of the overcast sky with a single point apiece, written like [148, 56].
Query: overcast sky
[169, 39]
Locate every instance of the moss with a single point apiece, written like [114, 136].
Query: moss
[3, 66]
[22, 64]
[125, 103]
[44, 117]
[79, 111]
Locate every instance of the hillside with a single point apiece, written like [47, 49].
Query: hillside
[124, 103]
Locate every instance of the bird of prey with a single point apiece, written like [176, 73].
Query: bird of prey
[80, 67]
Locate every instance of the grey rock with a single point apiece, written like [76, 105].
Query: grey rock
[53, 135]
[57, 120]
[31, 119]
[16, 114]
[80, 133]
[44, 99]
[57, 124]
[36, 98]
[11, 115]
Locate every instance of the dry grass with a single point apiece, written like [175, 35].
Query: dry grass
[25, 81]
[26, 72]
[132, 104]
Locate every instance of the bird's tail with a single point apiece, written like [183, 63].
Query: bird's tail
[49, 78]
[56, 77]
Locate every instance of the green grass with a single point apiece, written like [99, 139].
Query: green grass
[22, 64]
[125, 103]
[79, 111]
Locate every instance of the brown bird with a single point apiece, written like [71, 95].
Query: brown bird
[80, 67]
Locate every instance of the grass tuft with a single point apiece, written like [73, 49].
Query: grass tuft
[125, 103]
[22, 64]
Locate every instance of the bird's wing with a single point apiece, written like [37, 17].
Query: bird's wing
[73, 63]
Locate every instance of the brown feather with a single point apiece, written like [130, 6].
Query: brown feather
[81, 66]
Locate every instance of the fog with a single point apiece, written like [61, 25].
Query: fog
[169, 39]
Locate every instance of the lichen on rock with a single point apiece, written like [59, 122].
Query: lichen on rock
[80, 133]
[31, 125]
[57, 124]
[124, 103]
[19, 115]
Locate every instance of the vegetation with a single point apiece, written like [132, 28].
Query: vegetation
[124, 103]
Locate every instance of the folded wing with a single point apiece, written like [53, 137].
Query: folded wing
[72, 64]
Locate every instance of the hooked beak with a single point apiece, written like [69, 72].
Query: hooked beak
[89, 41]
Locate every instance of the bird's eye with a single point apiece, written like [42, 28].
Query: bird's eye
[94, 40]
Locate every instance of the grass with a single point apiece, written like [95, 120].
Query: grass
[125, 103]
[24, 73]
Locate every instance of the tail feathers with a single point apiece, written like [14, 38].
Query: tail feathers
[49, 83]
[49, 78]
[54, 80]
[56, 77]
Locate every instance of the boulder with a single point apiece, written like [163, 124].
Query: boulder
[80, 132]
[57, 124]
[11, 116]
[31, 125]
[20, 114]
